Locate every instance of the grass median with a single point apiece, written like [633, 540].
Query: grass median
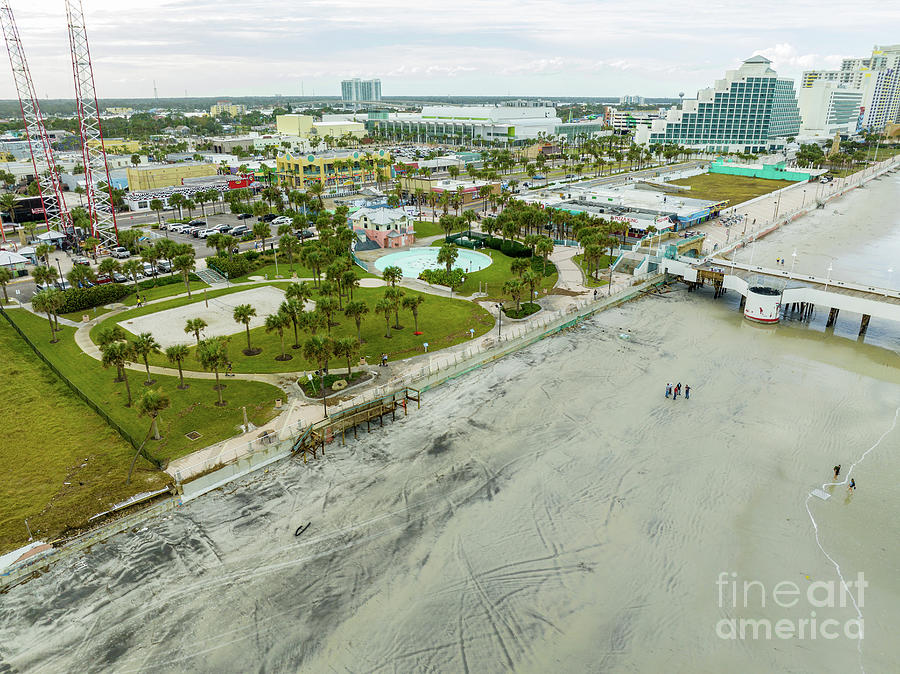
[193, 409]
[724, 187]
[442, 321]
[62, 463]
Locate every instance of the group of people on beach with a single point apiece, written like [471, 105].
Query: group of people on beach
[837, 472]
[676, 391]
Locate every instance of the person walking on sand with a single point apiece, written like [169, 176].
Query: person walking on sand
[852, 486]
[837, 471]
[668, 390]
[687, 392]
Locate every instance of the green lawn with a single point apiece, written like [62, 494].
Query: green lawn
[723, 187]
[443, 322]
[590, 281]
[427, 228]
[78, 315]
[53, 438]
[490, 280]
[163, 291]
[193, 409]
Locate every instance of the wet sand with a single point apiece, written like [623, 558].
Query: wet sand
[550, 512]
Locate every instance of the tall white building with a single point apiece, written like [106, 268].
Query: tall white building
[876, 77]
[750, 110]
[358, 91]
[828, 107]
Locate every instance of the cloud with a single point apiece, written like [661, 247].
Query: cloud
[787, 59]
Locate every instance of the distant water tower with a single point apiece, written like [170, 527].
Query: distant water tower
[680, 98]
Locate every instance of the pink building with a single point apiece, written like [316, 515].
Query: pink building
[388, 227]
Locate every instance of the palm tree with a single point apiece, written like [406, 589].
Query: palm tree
[132, 268]
[447, 255]
[42, 301]
[120, 354]
[108, 266]
[293, 309]
[289, 244]
[43, 251]
[177, 201]
[531, 279]
[316, 190]
[195, 326]
[412, 303]
[213, 355]
[144, 346]
[319, 350]
[514, 289]
[8, 204]
[150, 404]
[544, 247]
[385, 307]
[81, 276]
[299, 291]
[392, 274]
[395, 295]
[262, 230]
[277, 322]
[244, 313]
[357, 310]
[518, 266]
[6, 276]
[348, 348]
[157, 205]
[349, 281]
[328, 306]
[185, 264]
[177, 353]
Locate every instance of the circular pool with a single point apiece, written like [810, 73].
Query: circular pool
[415, 260]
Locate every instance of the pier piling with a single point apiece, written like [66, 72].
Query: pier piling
[864, 324]
[832, 318]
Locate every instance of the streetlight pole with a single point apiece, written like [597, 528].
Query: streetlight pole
[890, 279]
[499, 319]
[58, 266]
[828, 280]
[793, 262]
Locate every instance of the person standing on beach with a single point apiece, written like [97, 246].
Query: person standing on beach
[668, 390]
[687, 392]
[837, 471]
[852, 486]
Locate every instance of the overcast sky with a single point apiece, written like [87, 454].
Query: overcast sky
[478, 47]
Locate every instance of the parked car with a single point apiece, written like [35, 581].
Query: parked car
[81, 260]
[197, 223]
[268, 217]
[163, 266]
[282, 220]
[305, 234]
[120, 252]
[240, 230]
[244, 216]
[118, 277]
[225, 229]
[101, 280]
[149, 269]
[63, 285]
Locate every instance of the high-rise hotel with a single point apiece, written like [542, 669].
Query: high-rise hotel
[751, 110]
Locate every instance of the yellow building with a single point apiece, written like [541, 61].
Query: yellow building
[119, 111]
[339, 129]
[333, 169]
[294, 125]
[118, 145]
[152, 177]
[222, 107]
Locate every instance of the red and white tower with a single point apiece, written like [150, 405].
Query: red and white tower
[50, 188]
[96, 170]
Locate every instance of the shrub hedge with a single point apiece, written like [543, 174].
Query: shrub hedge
[78, 299]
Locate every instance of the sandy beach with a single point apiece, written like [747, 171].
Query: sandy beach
[553, 510]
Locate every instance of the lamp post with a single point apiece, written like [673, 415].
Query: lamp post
[58, 266]
[890, 279]
[828, 280]
[793, 262]
[499, 319]
[803, 201]
[777, 205]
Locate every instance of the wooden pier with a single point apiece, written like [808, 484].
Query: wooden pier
[315, 437]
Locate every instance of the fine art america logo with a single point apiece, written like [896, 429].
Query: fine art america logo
[753, 595]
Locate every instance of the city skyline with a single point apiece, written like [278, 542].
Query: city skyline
[506, 48]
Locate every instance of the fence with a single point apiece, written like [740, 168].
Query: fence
[81, 394]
